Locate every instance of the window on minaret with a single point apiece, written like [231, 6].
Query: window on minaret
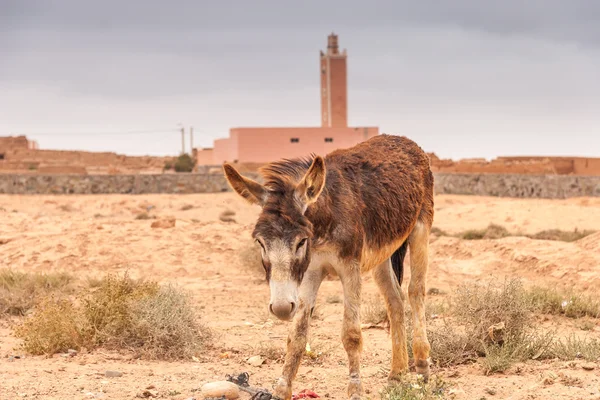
[328, 140]
[294, 140]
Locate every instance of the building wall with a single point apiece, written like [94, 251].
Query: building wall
[261, 145]
[225, 150]
[205, 156]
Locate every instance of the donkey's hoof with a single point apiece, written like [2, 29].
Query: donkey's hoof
[422, 368]
[283, 391]
[354, 389]
[395, 378]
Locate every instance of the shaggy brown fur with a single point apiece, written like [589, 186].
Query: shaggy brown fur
[362, 205]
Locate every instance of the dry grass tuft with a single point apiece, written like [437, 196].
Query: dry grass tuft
[143, 216]
[187, 207]
[573, 347]
[416, 389]
[66, 208]
[571, 304]
[493, 231]
[334, 299]
[563, 236]
[270, 351]
[20, 291]
[374, 311]
[227, 216]
[157, 322]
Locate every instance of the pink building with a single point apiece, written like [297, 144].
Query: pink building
[265, 144]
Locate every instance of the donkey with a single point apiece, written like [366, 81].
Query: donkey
[354, 211]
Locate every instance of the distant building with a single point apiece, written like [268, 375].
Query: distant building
[265, 144]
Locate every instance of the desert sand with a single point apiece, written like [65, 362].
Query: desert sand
[94, 235]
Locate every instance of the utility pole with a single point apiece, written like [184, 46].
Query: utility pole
[182, 140]
[192, 141]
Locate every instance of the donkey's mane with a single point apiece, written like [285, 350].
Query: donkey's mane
[279, 175]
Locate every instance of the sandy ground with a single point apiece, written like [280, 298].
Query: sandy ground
[93, 235]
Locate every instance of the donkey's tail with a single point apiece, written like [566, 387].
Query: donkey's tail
[398, 261]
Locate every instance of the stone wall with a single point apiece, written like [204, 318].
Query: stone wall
[537, 186]
[518, 185]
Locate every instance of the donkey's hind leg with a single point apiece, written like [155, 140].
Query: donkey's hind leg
[419, 248]
[389, 287]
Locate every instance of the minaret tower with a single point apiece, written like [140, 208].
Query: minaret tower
[334, 86]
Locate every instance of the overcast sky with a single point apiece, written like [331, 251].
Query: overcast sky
[463, 78]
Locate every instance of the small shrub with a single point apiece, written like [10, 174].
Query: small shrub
[107, 309]
[563, 236]
[164, 326]
[143, 216]
[486, 309]
[66, 208]
[20, 291]
[187, 207]
[407, 389]
[168, 166]
[227, 216]
[184, 163]
[55, 328]
[493, 231]
[450, 346]
[158, 322]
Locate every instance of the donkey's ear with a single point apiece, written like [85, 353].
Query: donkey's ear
[312, 184]
[252, 191]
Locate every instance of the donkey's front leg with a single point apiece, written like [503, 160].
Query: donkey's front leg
[351, 333]
[298, 335]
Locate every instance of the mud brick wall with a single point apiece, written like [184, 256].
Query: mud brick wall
[503, 185]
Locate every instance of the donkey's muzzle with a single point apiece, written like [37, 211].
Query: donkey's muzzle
[284, 310]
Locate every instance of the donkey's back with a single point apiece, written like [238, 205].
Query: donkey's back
[387, 182]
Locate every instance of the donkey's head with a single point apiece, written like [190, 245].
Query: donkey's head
[282, 231]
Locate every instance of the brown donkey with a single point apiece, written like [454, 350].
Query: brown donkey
[353, 212]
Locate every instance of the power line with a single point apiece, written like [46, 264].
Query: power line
[105, 133]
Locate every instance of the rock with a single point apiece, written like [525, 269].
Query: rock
[590, 366]
[549, 378]
[255, 361]
[72, 352]
[113, 374]
[490, 391]
[220, 388]
[164, 223]
[457, 394]
[149, 393]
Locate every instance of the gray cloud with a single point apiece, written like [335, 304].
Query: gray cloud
[428, 69]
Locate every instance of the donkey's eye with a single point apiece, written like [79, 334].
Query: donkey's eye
[302, 243]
